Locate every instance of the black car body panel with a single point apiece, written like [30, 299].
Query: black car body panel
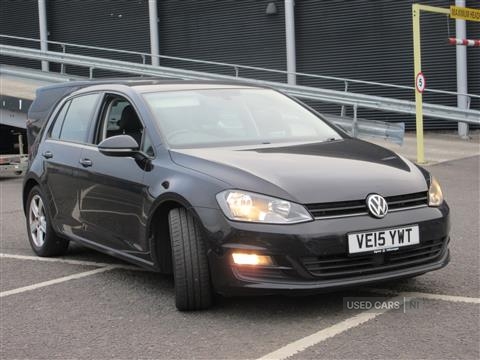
[322, 239]
[113, 203]
[297, 172]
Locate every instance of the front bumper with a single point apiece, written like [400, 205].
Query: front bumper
[295, 248]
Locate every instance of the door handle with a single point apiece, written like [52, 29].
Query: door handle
[86, 162]
[47, 154]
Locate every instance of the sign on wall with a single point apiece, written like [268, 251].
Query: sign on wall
[464, 13]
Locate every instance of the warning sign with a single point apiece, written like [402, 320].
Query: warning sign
[464, 13]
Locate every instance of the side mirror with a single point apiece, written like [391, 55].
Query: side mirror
[120, 146]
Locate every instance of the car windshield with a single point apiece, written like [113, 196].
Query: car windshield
[232, 117]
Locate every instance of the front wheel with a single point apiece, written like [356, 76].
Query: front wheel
[193, 289]
[41, 235]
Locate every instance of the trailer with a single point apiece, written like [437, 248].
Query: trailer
[14, 164]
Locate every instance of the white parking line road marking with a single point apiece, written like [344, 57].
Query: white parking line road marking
[56, 281]
[69, 261]
[324, 334]
[408, 294]
[420, 295]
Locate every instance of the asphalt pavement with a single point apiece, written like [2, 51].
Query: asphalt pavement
[89, 305]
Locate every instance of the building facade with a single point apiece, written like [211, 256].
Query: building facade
[360, 39]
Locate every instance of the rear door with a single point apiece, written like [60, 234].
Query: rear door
[61, 150]
[112, 193]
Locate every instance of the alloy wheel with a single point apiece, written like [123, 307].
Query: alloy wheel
[37, 221]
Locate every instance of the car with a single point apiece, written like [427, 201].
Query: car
[235, 189]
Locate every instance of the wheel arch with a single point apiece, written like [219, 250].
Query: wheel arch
[27, 187]
[158, 229]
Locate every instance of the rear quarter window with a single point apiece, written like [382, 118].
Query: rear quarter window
[57, 126]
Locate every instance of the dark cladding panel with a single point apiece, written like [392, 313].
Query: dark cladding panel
[19, 18]
[102, 23]
[372, 40]
[238, 32]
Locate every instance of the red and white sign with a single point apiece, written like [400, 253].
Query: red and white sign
[420, 82]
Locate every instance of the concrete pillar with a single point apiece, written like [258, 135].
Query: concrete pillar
[462, 83]
[42, 22]
[154, 40]
[290, 41]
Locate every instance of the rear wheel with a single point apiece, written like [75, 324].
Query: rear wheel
[193, 290]
[41, 236]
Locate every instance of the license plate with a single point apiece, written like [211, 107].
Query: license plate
[383, 240]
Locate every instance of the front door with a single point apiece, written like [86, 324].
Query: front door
[112, 193]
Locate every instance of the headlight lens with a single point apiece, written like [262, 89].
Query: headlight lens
[246, 206]
[435, 195]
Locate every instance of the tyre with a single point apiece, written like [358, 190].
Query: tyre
[193, 290]
[41, 235]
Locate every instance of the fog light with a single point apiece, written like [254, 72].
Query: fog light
[251, 259]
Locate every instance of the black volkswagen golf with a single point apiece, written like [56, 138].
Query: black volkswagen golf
[235, 189]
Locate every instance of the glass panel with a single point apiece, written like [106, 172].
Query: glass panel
[79, 116]
[223, 117]
[57, 126]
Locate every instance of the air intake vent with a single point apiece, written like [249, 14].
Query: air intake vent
[334, 267]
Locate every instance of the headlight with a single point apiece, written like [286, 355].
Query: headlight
[435, 196]
[246, 206]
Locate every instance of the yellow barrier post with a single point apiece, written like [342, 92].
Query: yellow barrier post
[418, 76]
[417, 60]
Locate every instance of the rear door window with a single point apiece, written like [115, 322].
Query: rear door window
[76, 124]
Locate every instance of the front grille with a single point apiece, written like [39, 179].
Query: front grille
[334, 267]
[359, 207]
[405, 201]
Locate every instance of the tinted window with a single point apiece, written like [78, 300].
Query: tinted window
[115, 114]
[78, 118]
[120, 118]
[57, 126]
[111, 123]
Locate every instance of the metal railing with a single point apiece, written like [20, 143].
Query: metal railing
[235, 68]
[357, 127]
[355, 100]
[393, 132]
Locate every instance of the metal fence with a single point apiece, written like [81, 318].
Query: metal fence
[344, 98]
